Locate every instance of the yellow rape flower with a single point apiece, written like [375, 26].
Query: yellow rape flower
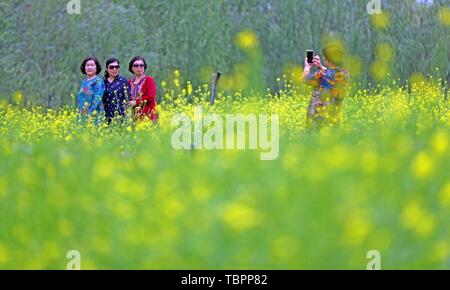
[246, 39]
[4, 255]
[417, 219]
[422, 165]
[380, 21]
[440, 142]
[445, 195]
[240, 216]
[444, 16]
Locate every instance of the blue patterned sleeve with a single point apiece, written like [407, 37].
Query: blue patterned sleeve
[80, 98]
[313, 78]
[99, 90]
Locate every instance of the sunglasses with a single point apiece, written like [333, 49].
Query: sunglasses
[138, 65]
[114, 67]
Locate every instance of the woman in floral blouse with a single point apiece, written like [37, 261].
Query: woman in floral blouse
[91, 91]
[117, 92]
[143, 90]
[330, 83]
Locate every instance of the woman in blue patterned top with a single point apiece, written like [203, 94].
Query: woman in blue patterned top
[91, 91]
[117, 92]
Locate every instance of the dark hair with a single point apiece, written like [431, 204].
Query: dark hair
[133, 60]
[108, 62]
[97, 64]
[334, 54]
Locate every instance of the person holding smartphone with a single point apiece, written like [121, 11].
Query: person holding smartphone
[330, 83]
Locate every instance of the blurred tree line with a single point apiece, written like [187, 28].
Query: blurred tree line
[42, 45]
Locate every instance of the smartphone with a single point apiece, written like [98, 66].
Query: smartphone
[310, 55]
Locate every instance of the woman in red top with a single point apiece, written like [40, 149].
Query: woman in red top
[143, 90]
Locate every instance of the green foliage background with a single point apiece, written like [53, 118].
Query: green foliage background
[41, 45]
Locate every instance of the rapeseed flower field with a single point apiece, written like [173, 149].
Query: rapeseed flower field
[124, 198]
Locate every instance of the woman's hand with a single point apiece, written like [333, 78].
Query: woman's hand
[307, 68]
[317, 62]
[308, 65]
